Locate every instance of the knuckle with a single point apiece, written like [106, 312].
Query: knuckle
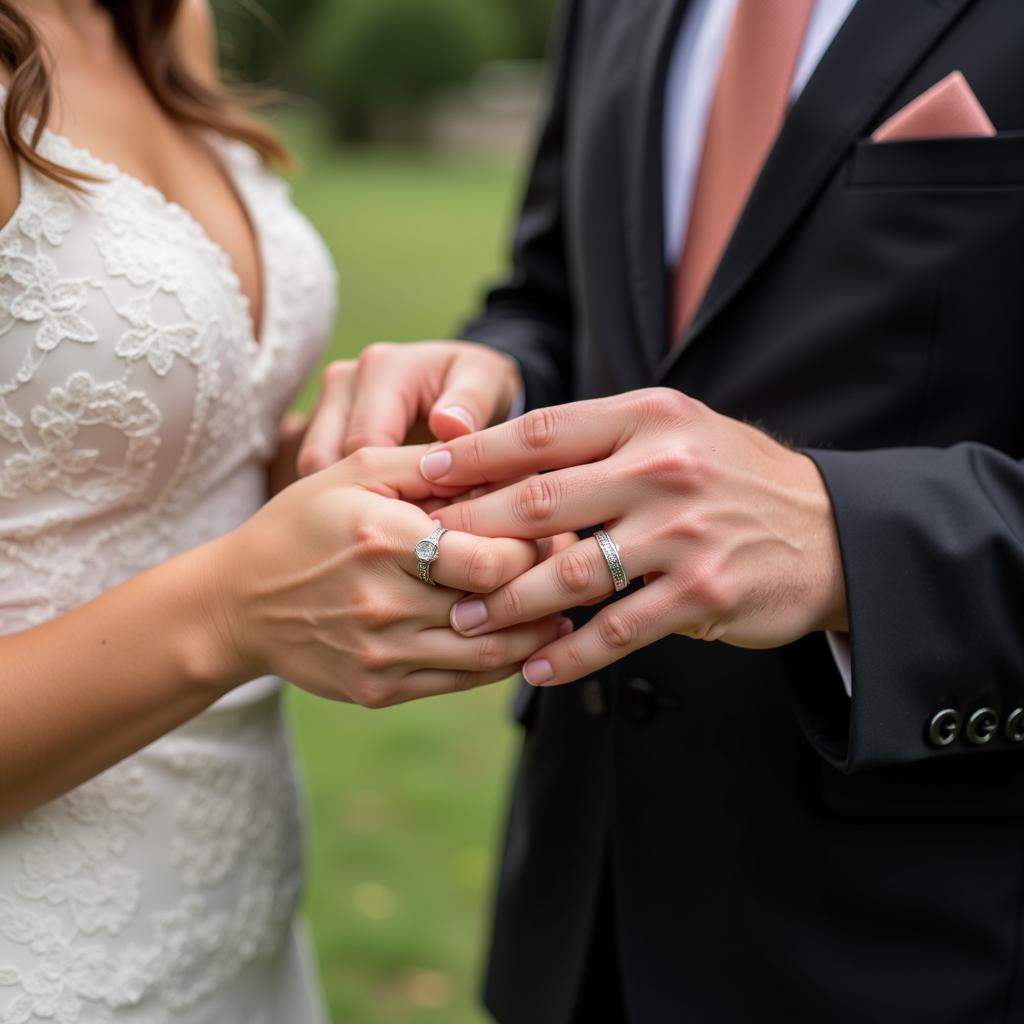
[511, 604]
[375, 660]
[618, 630]
[370, 541]
[691, 525]
[708, 590]
[338, 372]
[537, 429]
[373, 695]
[680, 468]
[464, 681]
[358, 441]
[667, 403]
[376, 614]
[537, 500]
[492, 653]
[378, 352]
[575, 572]
[574, 657]
[484, 573]
[310, 461]
[360, 460]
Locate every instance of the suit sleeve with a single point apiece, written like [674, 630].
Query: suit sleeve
[530, 315]
[933, 550]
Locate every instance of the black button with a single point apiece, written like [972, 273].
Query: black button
[592, 698]
[944, 727]
[639, 700]
[982, 726]
[1014, 728]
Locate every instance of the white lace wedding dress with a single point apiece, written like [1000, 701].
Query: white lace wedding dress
[137, 411]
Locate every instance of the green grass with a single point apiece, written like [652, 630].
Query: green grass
[406, 804]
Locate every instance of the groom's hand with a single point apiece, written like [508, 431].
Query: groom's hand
[445, 388]
[733, 532]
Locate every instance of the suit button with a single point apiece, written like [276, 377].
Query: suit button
[639, 700]
[982, 726]
[1014, 729]
[944, 727]
[592, 698]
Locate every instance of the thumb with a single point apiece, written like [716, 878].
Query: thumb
[474, 397]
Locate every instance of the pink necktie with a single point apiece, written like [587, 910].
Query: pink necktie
[746, 114]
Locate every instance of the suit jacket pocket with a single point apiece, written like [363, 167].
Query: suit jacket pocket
[993, 162]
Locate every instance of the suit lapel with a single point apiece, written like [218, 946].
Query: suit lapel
[657, 26]
[875, 50]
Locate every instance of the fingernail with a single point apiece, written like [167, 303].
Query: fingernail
[463, 415]
[436, 464]
[468, 615]
[544, 546]
[565, 627]
[538, 672]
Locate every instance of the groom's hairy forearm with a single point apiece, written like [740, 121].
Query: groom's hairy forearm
[82, 692]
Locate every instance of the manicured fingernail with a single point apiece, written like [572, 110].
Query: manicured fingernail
[468, 615]
[538, 672]
[436, 464]
[544, 546]
[565, 627]
[463, 415]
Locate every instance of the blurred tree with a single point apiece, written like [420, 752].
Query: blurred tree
[377, 62]
[534, 18]
[256, 38]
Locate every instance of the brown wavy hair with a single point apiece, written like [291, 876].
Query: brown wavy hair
[146, 30]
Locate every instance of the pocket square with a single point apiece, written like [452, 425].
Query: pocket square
[949, 109]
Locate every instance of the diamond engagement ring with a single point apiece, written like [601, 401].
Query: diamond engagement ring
[610, 550]
[427, 552]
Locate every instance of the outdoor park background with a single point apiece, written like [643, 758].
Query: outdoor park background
[406, 805]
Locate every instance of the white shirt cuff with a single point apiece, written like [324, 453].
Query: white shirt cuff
[840, 646]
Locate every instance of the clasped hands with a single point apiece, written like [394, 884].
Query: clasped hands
[732, 533]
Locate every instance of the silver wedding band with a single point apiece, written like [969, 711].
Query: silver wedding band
[610, 550]
[427, 552]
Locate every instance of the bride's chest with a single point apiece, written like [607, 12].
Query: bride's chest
[128, 359]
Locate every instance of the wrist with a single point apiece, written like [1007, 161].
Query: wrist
[830, 609]
[210, 648]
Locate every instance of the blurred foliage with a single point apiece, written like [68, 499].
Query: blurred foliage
[380, 61]
[376, 61]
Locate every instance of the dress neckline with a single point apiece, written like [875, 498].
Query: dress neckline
[256, 340]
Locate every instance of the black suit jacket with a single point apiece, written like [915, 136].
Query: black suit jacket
[779, 852]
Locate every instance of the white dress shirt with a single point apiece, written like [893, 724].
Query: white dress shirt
[693, 75]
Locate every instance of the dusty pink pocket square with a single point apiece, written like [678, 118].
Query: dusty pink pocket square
[949, 109]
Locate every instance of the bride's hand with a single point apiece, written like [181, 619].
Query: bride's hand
[320, 587]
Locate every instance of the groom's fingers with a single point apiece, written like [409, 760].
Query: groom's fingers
[625, 626]
[545, 439]
[552, 503]
[473, 397]
[324, 439]
[385, 398]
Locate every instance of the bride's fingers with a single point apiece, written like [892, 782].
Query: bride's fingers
[434, 683]
[441, 649]
[477, 565]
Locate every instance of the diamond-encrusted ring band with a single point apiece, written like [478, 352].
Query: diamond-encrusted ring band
[610, 550]
[427, 552]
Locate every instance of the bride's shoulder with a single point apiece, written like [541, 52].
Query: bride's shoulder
[196, 35]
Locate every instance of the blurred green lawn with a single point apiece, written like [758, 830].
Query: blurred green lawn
[406, 804]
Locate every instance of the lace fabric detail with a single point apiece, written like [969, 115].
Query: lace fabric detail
[137, 410]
